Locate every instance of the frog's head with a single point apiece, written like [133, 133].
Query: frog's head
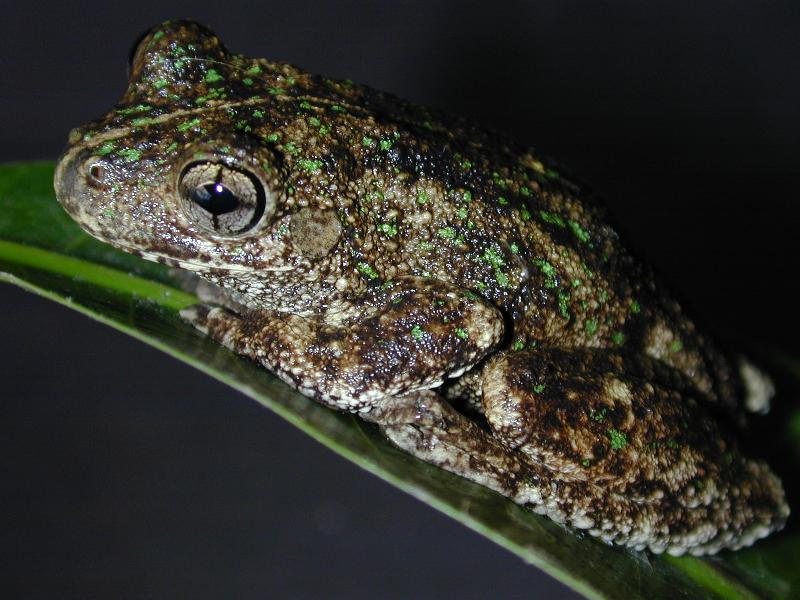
[204, 161]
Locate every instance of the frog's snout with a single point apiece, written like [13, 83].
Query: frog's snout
[79, 181]
[64, 182]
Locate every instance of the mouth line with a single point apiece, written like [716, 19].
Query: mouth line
[195, 266]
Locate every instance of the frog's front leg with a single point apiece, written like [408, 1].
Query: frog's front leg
[382, 363]
[408, 335]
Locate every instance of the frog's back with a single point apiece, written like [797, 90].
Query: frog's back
[449, 200]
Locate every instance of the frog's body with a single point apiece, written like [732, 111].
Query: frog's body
[368, 253]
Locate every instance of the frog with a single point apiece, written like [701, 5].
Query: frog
[448, 285]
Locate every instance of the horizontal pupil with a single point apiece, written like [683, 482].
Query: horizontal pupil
[215, 198]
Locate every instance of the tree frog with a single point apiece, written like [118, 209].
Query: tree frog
[434, 278]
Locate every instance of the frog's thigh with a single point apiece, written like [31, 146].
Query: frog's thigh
[420, 334]
[638, 457]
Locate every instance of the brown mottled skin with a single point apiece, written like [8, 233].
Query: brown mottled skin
[369, 252]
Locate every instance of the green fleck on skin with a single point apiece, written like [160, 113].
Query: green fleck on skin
[247, 81]
[590, 326]
[160, 84]
[254, 70]
[134, 109]
[171, 148]
[501, 279]
[130, 154]
[586, 462]
[187, 125]
[546, 268]
[212, 76]
[552, 218]
[598, 415]
[525, 214]
[461, 333]
[676, 346]
[518, 345]
[618, 439]
[578, 231]
[387, 229]
[272, 137]
[417, 333]
[385, 145]
[311, 166]
[635, 307]
[106, 148]
[563, 303]
[493, 257]
[367, 270]
[367, 142]
[539, 388]
[619, 338]
[447, 233]
[422, 197]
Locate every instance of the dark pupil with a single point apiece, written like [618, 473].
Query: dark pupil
[215, 198]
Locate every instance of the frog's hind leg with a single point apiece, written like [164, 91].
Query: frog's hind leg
[634, 452]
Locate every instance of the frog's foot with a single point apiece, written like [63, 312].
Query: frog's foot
[759, 388]
[427, 427]
[634, 452]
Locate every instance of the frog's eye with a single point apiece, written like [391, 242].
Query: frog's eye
[222, 199]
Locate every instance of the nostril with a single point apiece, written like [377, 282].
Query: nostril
[95, 175]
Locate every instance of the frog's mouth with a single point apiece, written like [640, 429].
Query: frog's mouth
[197, 266]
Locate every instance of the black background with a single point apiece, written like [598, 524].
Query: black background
[126, 474]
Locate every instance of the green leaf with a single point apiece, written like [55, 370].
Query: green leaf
[42, 250]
